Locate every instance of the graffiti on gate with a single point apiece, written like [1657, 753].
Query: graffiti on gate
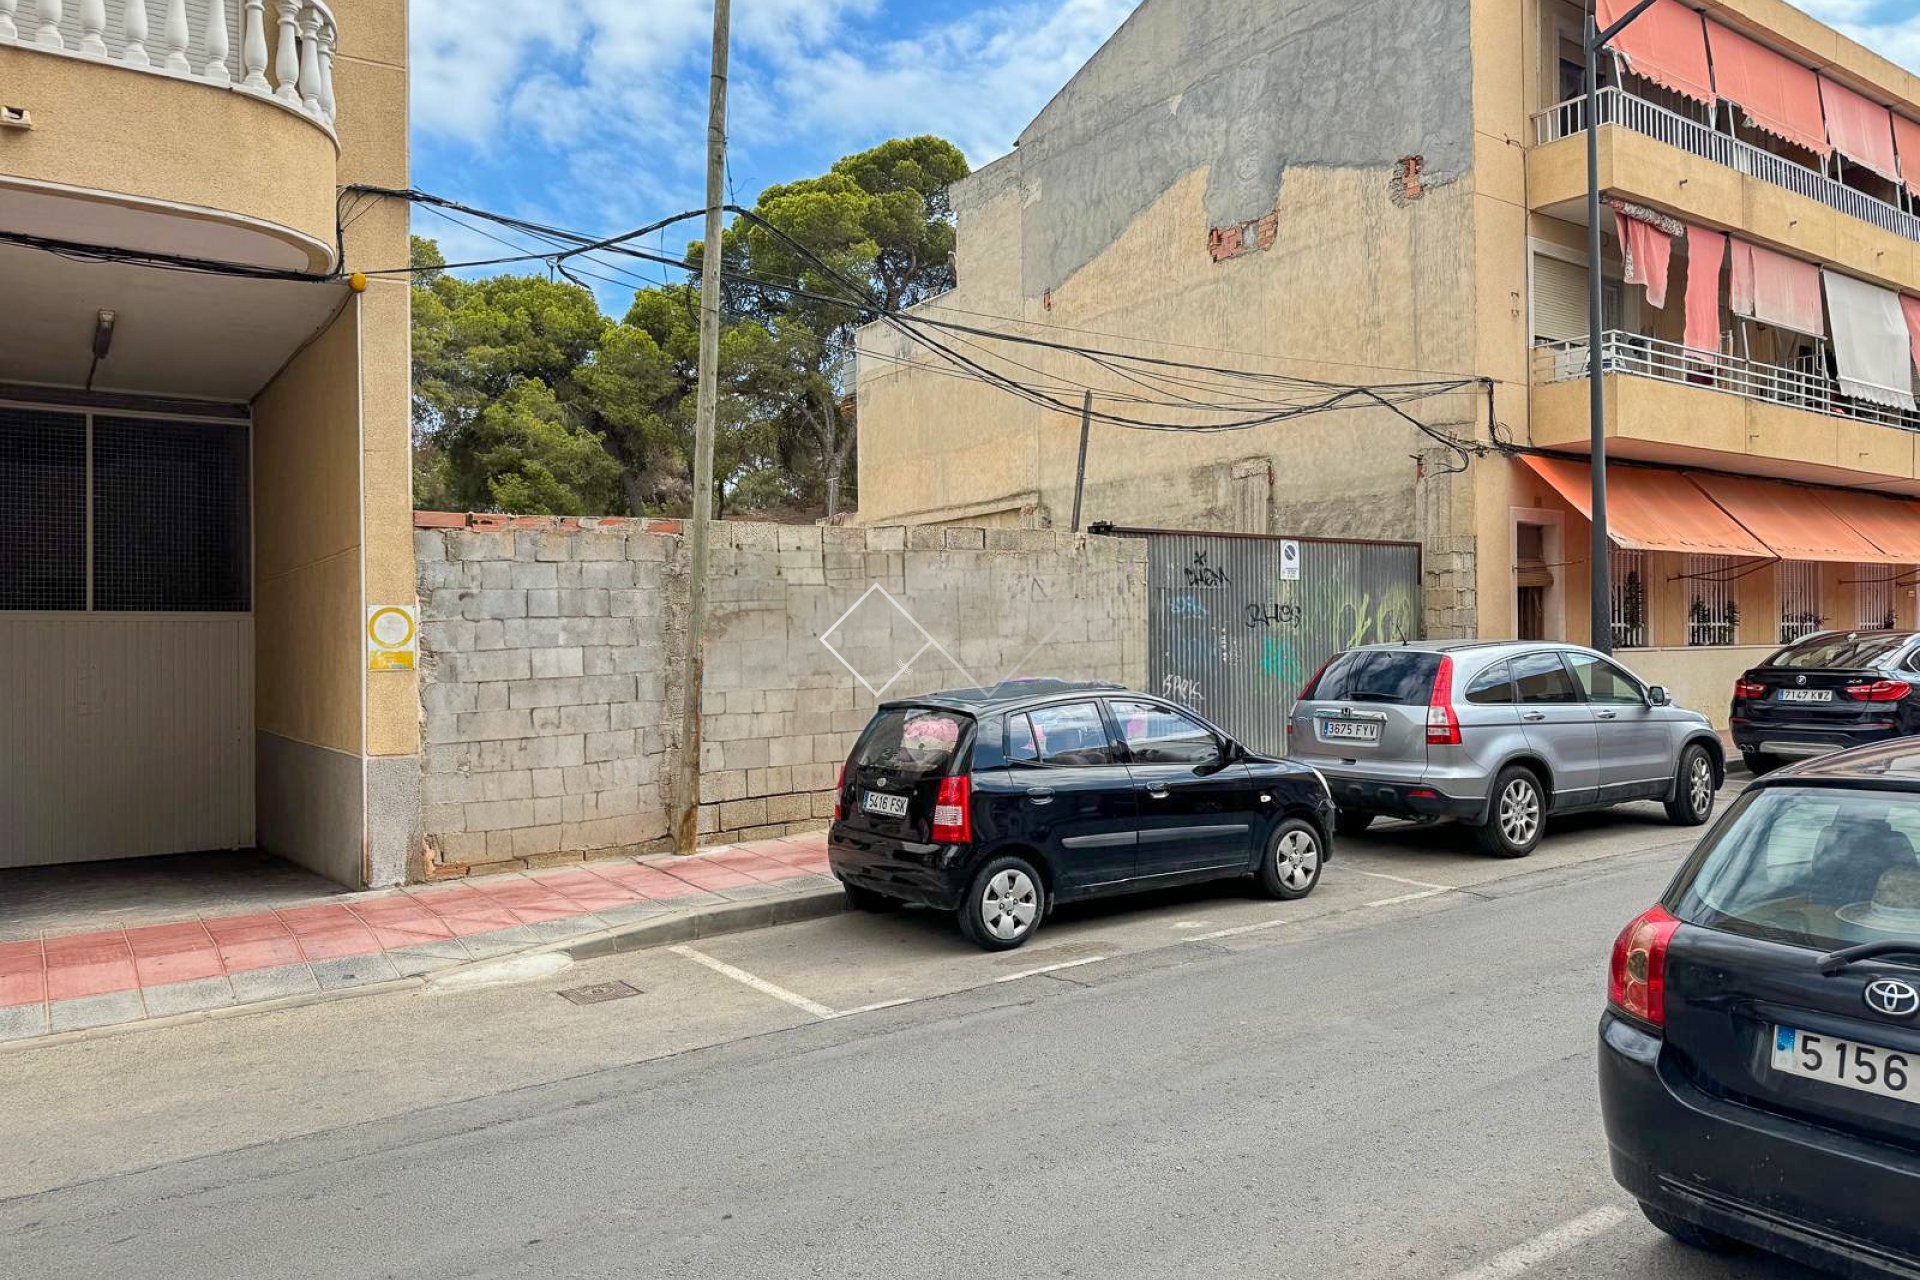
[1183, 690]
[1202, 574]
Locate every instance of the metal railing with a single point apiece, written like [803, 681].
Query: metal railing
[1644, 357]
[1618, 107]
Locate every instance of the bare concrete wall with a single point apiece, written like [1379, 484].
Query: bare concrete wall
[1284, 187]
[550, 650]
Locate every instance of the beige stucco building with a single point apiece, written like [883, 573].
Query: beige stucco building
[1391, 191]
[204, 432]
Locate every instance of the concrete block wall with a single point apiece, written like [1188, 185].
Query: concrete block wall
[551, 648]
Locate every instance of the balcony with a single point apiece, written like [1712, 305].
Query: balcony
[1670, 403]
[1618, 107]
[200, 129]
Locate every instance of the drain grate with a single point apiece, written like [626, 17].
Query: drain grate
[599, 992]
[1025, 959]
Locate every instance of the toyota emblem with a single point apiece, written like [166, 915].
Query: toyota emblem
[1893, 997]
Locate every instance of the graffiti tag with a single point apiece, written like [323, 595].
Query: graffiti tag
[1184, 691]
[1202, 574]
[1273, 615]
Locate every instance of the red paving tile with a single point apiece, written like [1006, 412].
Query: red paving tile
[552, 909]
[263, 953]
[479, 919]
[332, 944]
[322, 919]
[23, 974]
[174, 953]
[254, 928]
[89, 964]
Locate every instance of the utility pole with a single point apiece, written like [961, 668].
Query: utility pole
[686, 783]
[1601, 582]
[1080, 471]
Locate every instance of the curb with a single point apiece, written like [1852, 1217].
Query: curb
[702, 922]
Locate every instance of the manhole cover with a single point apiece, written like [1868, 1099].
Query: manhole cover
[600, 992]
[1024, 959]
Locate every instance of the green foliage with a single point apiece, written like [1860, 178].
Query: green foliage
[527, 398]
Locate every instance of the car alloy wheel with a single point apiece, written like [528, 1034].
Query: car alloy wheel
[1296, 860]
[1519, 812]
[1700, 785]
[1009, 904]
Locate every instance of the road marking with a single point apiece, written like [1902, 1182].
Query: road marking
[1049, 968]
[876, 1006]
[1406, 897]
[1418, 884]
[1548, 1244]
[761, 985]
[1238, 929]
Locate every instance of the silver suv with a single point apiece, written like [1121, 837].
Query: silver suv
[1498, 735]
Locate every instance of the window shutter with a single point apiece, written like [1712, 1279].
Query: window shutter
[1559, 299]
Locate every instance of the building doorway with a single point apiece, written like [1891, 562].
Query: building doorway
[1537, 609]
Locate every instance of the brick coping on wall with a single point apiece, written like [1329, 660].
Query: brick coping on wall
[485, 520]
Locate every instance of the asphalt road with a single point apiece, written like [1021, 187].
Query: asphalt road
[1394, 1078]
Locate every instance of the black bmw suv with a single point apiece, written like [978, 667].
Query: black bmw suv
[996, 804]
[1827, 691]
[1760, 1053]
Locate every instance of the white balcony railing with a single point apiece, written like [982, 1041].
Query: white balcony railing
[280, 49]
[1618, 107]
[1643, 357]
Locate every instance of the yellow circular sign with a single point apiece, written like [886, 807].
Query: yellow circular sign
[390, 628]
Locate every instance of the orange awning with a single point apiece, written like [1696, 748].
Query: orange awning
[1666, 44]
[1794, 521]
[1777, 93]
[1891, 524]
[1652, 510]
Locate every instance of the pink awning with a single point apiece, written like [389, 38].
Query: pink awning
[1775, 289]
[1665, 44]
[1906, 136]
[1859, 128]
[1645, 251]
[1706, 250]
[1777, 93]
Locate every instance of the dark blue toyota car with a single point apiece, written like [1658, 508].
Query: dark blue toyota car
[997, 804]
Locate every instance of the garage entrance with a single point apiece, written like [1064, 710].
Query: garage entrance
[126, 630]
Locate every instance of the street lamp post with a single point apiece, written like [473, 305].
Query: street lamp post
[1601, 587]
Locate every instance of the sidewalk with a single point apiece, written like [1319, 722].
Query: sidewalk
[71, 982]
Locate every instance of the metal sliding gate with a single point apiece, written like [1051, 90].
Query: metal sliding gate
[1238, 624]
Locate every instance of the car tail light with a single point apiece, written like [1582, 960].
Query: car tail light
[839, 790]
[1748, 690]
[1312, 686]
[1443, 726]
[953, 811]
[1637, 982]
[1880, 691]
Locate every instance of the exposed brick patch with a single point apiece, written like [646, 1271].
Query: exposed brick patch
[1406, 183]
[1255, 233]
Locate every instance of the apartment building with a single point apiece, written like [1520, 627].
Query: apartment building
[1374, 193]
[204, 434]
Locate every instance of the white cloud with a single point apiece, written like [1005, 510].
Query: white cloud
[1877, 24]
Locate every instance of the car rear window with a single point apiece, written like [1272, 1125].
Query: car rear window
[1402, 676]
[1821, 867]
[915, 741]
[1840, 653]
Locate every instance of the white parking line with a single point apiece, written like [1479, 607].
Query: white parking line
[1049, 968]
[1238, 929]
[1548, 1244]
[761, 985]
[1418, 884]
[1407, 897]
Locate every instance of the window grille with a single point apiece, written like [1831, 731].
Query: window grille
[43, 489]
[171, 511]
[1627, 571]
[1875, 596]
[1799, 584]
[1713, 618]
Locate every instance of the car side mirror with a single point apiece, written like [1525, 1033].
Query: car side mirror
[1657, 696]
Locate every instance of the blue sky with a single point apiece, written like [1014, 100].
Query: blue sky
[590, 114]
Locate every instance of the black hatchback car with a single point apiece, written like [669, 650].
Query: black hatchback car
[997, 804]
[1760, 1054]
[1828, 691]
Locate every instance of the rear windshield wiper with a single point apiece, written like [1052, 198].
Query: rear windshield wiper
[1834, 961]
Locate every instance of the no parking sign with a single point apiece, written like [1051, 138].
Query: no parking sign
[393, 637]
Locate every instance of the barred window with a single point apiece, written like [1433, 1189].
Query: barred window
[1874, 594]
[1627, 572]
[1799, 584]
[171, 508]
[43, 487]
[1713, 618]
